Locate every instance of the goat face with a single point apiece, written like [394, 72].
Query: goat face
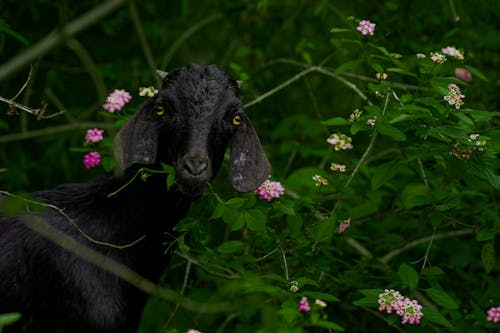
[189, 124]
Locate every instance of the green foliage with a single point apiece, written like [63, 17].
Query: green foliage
[419, 195]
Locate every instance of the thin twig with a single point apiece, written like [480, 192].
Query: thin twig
[53, 130]
[36, 112]
[72, 222]
[226, 273]
[279, 87]
[455, 233]
[183, 288]
[24, 85]
[185, 35]
[285, 265]
[134, 14]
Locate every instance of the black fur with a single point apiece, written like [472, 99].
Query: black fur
[58, 292]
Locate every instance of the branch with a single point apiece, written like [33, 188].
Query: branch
[389, 256]
[134, 14]
[185, 35]
[53, 130]
[93, 16]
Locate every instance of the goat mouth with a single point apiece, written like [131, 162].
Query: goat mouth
[190, 188]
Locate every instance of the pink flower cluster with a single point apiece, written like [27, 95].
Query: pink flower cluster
[93, 135]
[116, 100]
[392, 301]
[337, 167]
[454, 96]
[270, 190]
[92, 159]
[319, 180]
[493, 314]
[453, 52]
[366, 27]
[340, 141]
[305, 307]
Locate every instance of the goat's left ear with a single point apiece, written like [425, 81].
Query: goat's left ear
[136, 142]
[249, 166]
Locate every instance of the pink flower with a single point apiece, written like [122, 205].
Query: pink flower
[344, 225]
[269, 190]
[192, 331]
[337, 167]
[339, 141]
[420, 55]
[116, 100]
[463, 74]
[453, 52]
[438, 58]
[92, 159]
[304, 305]
[392, 301]
[410, 311]
[94, 135]
[366, 27]
[454, 96]
[388, 300]
[493, 314]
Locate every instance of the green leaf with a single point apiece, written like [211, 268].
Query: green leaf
[326, 229]
[391, 131]
[401, 71]
[236, 203]
[484, 172]
[255, 219]
[336, 121]
[488, 256]
[408, 275]
[336, 30]
[415, 195]
[319, 295]
[441, 298]
[349, 66]
[234, 218]
[485, 235]
[436, 317]
[9, 318]
[383, 173]
[218, 211]
[432, 271]
[440, 84]
[231, 247]
[286, 207]
[401, 117]
[370, 299]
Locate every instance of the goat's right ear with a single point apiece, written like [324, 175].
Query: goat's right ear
[249, 167]
[136, 142]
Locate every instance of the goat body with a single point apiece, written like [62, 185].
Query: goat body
[57, 291]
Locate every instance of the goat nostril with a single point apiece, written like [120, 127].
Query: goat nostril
[195, 166]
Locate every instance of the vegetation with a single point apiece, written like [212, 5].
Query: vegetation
[384, 137]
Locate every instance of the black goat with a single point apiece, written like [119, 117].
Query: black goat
[189, 125]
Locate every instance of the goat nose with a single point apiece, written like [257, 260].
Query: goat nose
[195, 165]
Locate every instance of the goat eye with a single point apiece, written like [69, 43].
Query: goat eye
[160, 110]
[237, 120]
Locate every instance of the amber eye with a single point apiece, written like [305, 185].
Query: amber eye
[237, 120]
[160, 110]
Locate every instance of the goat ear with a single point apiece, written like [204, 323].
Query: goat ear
[136, 142]
[249, 166]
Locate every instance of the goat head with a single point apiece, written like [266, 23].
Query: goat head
[189, 125]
